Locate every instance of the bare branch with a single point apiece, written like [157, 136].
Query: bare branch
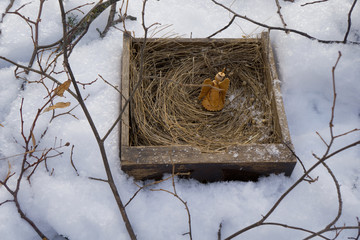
[6, 201]
[331, 123]
[99, 179]
[281, 28]
[79, 7]
[219, 231]
[349, 21]
[9, 6]
[153, 183]
[322, 139]
[294, 228]
[29, 149]
[358, 235]
[340, 204]
[320, 1]
[310, 179]
[280, 15]
[110, 20]
[346, 133]
[222, 29]
[115, 87]
[71, 160]
[100, 142]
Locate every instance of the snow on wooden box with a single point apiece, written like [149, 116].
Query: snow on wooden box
[165, 129]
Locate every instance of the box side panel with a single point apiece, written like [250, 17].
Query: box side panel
[274, 89]
[243, 162]
[211, 172]
[125, 66]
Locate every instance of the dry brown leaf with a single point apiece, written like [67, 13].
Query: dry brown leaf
[1, 125]
[33, 140]
[57, 105]
[62, 88]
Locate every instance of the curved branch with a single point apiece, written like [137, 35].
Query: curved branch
[349, 21]
[337, 185]
[11, 3]
[222, 29]
[281, 28]
[309, 3]
[295, 228]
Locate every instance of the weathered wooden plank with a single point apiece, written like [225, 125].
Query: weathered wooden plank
[250, 153]
[125, 88]
[210, 172]
[242, 162]
[276, 96]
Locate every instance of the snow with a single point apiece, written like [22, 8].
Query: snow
[65, 202]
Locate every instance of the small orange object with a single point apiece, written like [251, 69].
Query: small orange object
[213, 92]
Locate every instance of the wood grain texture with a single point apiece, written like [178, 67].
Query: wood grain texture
[125, 88]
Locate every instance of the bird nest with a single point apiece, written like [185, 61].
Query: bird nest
[165, 109]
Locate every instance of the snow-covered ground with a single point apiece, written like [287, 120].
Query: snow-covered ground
[82, 209]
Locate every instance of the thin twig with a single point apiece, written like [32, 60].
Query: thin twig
[219, 231]
[349, 21]
[293, 227]
[99, 179]
[320, 1]
[78, 8]
[110, 20]
[6, 201]
[174, 193]
[111, 85]
[153, 183]
[310, 180]
[280, 15]
[331, 123]
[222, 29]
[71, 160]
[322, 139]
[27, 148]
[358, 234]
[346, 133]
[9, 6]
[340, 204]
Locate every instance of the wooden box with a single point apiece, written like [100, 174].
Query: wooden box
[238, 162]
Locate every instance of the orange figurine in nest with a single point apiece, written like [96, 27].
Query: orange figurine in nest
[213, 92]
